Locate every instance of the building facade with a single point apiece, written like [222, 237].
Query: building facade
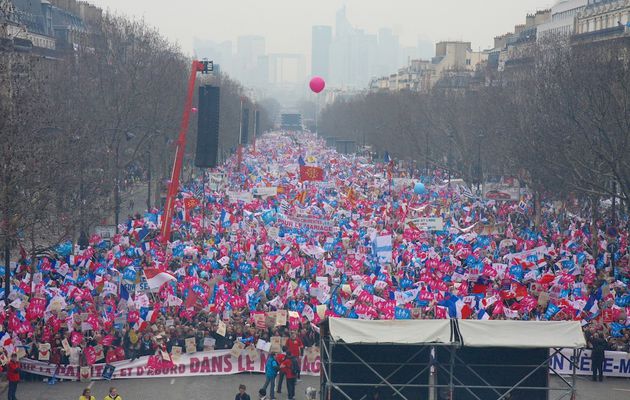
[46, 28]
[453, 61]
[602, 20]
[563, 19]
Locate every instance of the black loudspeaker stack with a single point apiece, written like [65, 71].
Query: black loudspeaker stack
[208, 127]
[257, 123]
[245, 127]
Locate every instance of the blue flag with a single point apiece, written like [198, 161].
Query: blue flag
[552, 310]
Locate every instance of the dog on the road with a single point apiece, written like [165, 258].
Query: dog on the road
[311, 393]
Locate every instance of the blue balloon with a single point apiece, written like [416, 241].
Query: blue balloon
[419, 188]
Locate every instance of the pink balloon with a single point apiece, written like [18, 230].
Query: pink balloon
[317, 84]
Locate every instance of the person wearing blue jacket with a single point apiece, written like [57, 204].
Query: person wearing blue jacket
[271, 370]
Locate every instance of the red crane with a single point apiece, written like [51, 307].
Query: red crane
[197, 66]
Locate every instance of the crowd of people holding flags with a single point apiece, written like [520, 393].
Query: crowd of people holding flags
[297, 233]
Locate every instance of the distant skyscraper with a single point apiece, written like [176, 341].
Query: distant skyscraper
[353, 54]
[342, 25]
[388, 52]
[320, 51]
[249, 49]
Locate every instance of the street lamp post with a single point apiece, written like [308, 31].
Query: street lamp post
[479, 171]
[117, 186]
[426, 153]
[149, 176]
[450, 156]
[613, 209]
[128, 136]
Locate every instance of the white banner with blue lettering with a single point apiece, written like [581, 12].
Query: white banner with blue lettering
[616, 363]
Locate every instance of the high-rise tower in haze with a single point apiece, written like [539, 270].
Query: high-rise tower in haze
[320, 51]
[248, 51]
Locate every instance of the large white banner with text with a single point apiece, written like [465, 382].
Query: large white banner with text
[220, 362]
[616, 363]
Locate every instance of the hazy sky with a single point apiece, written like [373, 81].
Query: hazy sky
[286, 24]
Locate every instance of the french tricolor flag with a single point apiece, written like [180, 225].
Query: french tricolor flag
[156, 278]
[483, 315]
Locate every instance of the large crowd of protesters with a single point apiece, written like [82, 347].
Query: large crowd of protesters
[250, 267]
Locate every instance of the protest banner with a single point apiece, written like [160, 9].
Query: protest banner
[219, 362]
[245, 197]
[105, 232]
[176, 353]
[190, 344]
[616, 363]
[85, 374]
[400, 183]
[427, 224]
[66, 346]
[281, 318]
[221, 329]
[259, 320]
[237, 349]
[270, 319]
[493, 229]
[108, 372]
[44, 351]
[311, 223]
[276, 344]
[502, 188]
[265, 191]
[263, 346]
[142, 286]
[539, 252]
[21, 353]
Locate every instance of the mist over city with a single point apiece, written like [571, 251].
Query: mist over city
[315, 200]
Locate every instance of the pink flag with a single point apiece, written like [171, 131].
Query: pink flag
[90, 355]
[441, 312]
[76, 338]
[108, 340]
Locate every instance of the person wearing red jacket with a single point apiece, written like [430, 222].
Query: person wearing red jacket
[280, 357]
[289, 367]
[295, 346]
[13, 375]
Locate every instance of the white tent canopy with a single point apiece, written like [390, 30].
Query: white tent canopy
[353, 331]
[522, 334]
[473, 333]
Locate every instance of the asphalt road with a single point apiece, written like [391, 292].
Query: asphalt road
[225, 387]
[192, 388]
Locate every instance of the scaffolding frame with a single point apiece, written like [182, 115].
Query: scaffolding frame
[329, 384]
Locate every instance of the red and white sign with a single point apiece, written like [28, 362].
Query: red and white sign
[219, 362]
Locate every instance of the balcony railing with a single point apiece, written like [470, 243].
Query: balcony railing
[600, 34]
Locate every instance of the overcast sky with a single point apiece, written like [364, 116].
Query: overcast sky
[286, 24]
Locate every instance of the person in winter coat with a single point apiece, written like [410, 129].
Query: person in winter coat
[290, 367]
[13, 376]
[271, 370]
